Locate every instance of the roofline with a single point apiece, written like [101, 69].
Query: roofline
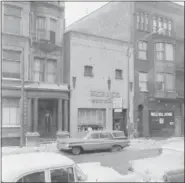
[89, 14]
[93, 35]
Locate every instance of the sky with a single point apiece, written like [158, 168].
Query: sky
[77, 10]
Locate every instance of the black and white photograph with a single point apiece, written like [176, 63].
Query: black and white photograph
[92, 91]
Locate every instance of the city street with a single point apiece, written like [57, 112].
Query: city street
[117, 160]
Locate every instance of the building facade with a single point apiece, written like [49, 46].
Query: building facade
[32, 57]
[158, 82]
[96, 69]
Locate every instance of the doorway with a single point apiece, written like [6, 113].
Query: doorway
[47, 118]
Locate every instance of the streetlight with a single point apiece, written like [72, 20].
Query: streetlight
[128, 53]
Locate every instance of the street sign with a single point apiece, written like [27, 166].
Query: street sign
[118, 103]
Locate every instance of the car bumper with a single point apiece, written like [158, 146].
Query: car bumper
[63, 147]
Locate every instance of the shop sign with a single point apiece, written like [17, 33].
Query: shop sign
[101, 101]
[104, 94]
[161, 114]
[117, 103]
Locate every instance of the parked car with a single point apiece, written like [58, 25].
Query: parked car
[94, 140]
[54, 167]
[168, 166]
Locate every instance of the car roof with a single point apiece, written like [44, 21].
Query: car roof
[107, 131]
[15, 165]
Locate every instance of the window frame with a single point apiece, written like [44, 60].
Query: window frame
[42, 69]
[160, 81]
[142, 50]
[54, 73]
[86, 74]
[62, 167]
[40, 31]
[11, 60]
[13, 16]
[121, 74]
[154, 27]
[32, 172]
[146, 82]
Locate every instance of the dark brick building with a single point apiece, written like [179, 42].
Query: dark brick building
[158, 59]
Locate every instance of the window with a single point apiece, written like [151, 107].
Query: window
[34, 177]
[160, 51]
[88, 71]
[169, 27]
[164, 51]
[62, 175]
[142, 52]
[119, 74]
[146, 22]
[41, 27]
[143, 81]
[169, 52]
[160, 81]
[10, 112]
[53, 28]
[51, 71]
[165, 26]
[38, 70]
[81, 177]
[142, 21]
[95, 136]
[160, 23]
[104, 135]
[138, 20]
[118, 134]
[12, 19]
[154, 24]
[169, 82]
[11, 64]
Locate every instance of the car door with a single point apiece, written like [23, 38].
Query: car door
[33, 177]
[106, 140]
[63, 174]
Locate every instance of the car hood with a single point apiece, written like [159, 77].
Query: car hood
[158, 166]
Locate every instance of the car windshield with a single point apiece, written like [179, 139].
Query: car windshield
[81, 177]
[118, 134]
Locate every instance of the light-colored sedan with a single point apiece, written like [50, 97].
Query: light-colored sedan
[94, 140]
[54, 167]
[168, 166]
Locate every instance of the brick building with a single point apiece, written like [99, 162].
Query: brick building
[158, 59]
[32, 37]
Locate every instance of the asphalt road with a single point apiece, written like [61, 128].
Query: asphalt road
[117, 160]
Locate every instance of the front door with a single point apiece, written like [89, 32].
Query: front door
[47, 124]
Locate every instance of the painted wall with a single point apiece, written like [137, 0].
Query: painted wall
[105, 56]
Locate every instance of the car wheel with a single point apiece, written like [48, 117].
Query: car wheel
[76, 150]
[116, 148]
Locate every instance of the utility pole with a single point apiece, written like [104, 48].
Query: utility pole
[22, 101]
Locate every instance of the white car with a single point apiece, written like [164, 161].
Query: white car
[54, 167]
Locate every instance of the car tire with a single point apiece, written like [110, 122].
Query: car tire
[116, 148]
[76, 150]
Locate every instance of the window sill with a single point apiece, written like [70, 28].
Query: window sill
[11, 126]
[88, 75]
[141, 59]
[144, 91]
[12, 79]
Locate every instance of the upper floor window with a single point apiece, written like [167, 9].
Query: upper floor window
[164, 51]
[143, 81]
[169, 27]
[38, 69]
[142, 51]
[41, 27]
[165, 81]
[142, 21]
[12, 19]
[53, 29]
[154, 25]
[88, 71]
[10, 112]
[160, 23]
[51, 71]
[165, 27]
[11, 64]
[118, 74]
